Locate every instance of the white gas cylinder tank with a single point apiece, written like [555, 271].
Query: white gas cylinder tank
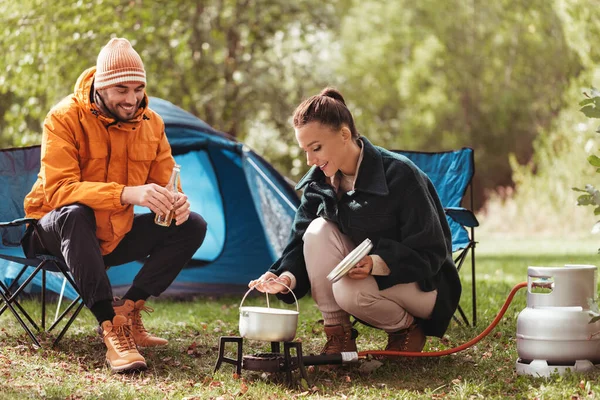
[554, 328]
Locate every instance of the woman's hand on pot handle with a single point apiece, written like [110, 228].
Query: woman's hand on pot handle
[362, 269]
[270, 283]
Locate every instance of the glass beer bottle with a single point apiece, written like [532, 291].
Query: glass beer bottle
[165, 220]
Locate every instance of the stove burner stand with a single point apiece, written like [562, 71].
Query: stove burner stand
[267, 362]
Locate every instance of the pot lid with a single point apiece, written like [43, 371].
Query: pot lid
[350, 260]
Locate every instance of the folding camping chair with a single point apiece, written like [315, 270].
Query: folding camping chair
[452, 175]
[18, 171]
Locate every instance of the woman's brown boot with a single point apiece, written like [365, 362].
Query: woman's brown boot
[408, 339]
[340, 338]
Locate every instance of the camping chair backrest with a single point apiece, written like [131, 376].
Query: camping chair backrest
[19, 168]
[451, 172]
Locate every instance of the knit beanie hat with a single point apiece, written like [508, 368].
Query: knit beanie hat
[118, 63]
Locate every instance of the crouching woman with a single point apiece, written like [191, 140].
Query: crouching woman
[408, 285]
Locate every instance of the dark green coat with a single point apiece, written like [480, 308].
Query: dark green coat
[396, 206]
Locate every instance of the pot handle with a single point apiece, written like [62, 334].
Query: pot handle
[267, 295]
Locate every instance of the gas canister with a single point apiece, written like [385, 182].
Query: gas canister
[554, 329]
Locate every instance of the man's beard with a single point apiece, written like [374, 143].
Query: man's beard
[111, 113]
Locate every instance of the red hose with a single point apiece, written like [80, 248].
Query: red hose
[454, 349]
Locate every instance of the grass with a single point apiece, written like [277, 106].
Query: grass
[184, 369]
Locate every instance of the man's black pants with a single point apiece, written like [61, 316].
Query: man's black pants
[70, 232]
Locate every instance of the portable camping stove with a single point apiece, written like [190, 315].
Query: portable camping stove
[275, 361]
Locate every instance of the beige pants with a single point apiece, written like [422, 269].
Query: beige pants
[391, 309]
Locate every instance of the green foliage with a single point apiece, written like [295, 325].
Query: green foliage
[433, 75]
[590, 107]
[229, 62]
[542, 202]
[427, 75]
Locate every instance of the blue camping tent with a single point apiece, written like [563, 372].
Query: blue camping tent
[248, 205]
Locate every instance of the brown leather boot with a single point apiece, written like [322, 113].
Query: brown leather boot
[132, 311]
[409, 339]
[122, 353]
[340, 339]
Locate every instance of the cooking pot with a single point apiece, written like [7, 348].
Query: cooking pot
[268, 324]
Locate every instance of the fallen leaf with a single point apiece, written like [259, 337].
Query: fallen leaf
[304, 384]
[369, 366]
[192, 347]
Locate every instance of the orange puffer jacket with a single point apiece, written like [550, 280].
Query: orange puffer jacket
[88, 158]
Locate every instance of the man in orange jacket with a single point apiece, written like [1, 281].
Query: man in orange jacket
[104, 151]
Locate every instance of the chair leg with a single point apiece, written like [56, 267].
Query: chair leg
[8, 303]
[459, 262]
[62, 315]
[13, 286]
[15, 281]
[462, 314]
[455, 318]
[473, 285]
[58, 319]
[43, 299]
[16, 304]
[69, 322]
[16, 293]
[8, 297]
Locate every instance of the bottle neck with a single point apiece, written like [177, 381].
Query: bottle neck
[174, 178]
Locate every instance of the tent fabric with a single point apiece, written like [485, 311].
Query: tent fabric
[275, 212]
[215, 175]
[248, 205]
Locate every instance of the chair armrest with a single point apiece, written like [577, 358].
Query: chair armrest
[462, 216]
[18, 222]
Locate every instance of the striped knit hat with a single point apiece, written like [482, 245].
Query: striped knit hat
[118, 63]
